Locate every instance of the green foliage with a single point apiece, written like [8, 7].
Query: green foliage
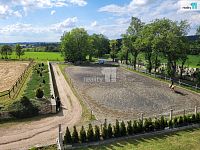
[122, 129]
[105, 130]
[110, 132]
[113, 49]
[140, 126]
[19, 51]
[117, 129]
[97, 133]
[39, 93]
[67, 137]
[175, 122]
[135, 127]
[148, 125]
[90, 133]
[5, 51]
[75, 45]
[129, 128]
[75, 138]
[83, 137]
[23, 108]
[170, 124]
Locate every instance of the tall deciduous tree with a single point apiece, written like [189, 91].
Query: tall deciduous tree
[130, 37]
[75, 45]
[113, 49]
[6, 50]
[19, 51]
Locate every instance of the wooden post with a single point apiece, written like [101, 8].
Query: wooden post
[60, 140]
[171, 114]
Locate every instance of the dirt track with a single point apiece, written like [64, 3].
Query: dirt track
[43, 131]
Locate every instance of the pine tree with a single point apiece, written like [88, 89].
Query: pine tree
[110, 132]
[90, 133]
[123, 129]
[97, 133]
[75, 138]
[67, 137]
[83, 135]
[117, 129]
[129, 128]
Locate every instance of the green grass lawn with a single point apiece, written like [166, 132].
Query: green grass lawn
[183, 140]
[40, 56]
[36, 81]
[192, 61]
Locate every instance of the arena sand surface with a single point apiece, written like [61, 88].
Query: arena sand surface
[128, 97]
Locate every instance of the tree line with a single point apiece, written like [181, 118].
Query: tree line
[121, 129]
[7, 50]
[161, 38]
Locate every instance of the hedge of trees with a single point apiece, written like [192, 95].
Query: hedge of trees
[120, 129]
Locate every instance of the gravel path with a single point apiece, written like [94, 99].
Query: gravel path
[131, 94]
[43, 131]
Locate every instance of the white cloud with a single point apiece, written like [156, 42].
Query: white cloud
[94, 24]
[53, 12]
[17, 7]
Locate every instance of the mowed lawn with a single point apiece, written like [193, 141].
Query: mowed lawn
[183, 140]
[40, 56]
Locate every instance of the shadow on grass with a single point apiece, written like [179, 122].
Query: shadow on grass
[135, 142]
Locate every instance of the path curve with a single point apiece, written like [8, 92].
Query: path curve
[43, 131]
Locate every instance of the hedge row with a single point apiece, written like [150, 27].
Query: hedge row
[120, 129]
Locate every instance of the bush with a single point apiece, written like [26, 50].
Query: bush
[105, 130]
[140, 128]
[75, 138]
[163, 122]
[175, 122]
[135, 127]
[193, 118]
[170, 124]
[157, 124]
[67, 137]
[23, 108]
[83, 135]
[148, 125]
[97, 133]
[123, 129]
[117, 129]
[110, 133]
[90, 133]
[39, 93]
[129, 128]
[180, 121]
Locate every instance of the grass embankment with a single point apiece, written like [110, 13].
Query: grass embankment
[40, 73]
[40, 56]
[86, 114]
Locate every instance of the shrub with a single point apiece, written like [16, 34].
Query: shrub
[23, 108]
[175, 122]
[110, 133]
[83, 135]
[163, 122]
[39, 93]
[157, 124]
[105, 130]
[193, 118]
[170, 124]
[123, 129]
[129, 128]
[117, 129]
[148, 125]
[75, 137]
[185, 120]
[140, 126]
[135, 127]
[180, 121]
[67, 137]
[97, 133]
[90, 133]
[198, 118]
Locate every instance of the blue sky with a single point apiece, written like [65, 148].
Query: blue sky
[46, 20]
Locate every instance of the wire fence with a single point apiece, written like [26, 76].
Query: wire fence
[14, 88]
[164, 77]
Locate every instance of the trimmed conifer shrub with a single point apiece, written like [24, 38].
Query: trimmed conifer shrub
[180, 121]
[75, 138]
[129, 128]
[185, 120]
[122, 129]
[135, 127]
[97, 133]
[170, 124]
[82, 134]
[110, 132]
[163, 123]
[90, 133]
[175, 122]
[39, 93]
[67, 137]
[140, 126]
[117, 129]
[157, 124]
[105, 130]
[193, 118]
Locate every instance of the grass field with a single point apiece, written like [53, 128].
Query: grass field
[40, 56]
[183, 140]
[36, 81]
[192, 61]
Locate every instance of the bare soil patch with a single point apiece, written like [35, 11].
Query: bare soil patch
[128, 97]
[10, 71]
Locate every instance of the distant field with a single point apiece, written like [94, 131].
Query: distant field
[183, 140]
[40, 56]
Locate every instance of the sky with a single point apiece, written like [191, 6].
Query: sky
[47, 20]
